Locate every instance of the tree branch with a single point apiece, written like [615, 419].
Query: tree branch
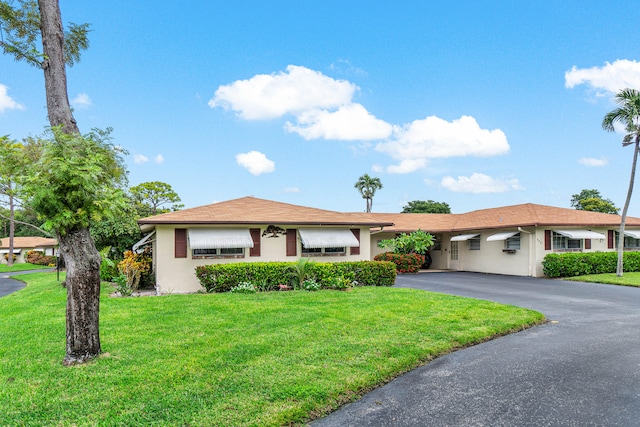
[46, 233]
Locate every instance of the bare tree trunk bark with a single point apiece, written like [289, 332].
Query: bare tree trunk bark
[76, 246]
[620, 265]
[83, 295]
[54, 67]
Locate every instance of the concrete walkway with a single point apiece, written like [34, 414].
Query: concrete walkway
[580, 369]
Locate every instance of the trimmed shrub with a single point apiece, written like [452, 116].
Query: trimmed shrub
[405, 263]
[39, 258]
[579, 264]
[275, 275]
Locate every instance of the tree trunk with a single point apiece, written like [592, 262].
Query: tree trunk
[83, 295]
[54, 67]
[12, 227]
[76, 246]
[620, 265]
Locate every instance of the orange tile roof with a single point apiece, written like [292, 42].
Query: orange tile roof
[28, 242]
[252, 210]
[524, 215]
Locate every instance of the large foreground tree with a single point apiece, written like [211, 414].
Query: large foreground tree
[367, 186]
[628, 115]
[70, 187]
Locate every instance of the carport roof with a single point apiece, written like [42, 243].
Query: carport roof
[524, 215]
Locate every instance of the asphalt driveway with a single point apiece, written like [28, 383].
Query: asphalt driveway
[580, 369]
[9, 285]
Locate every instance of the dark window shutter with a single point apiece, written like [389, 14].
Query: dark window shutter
[587, 243]
[292, 242]
[355, 250]
[610, 238]
[255, 236]
[547, 240]
[180, 243]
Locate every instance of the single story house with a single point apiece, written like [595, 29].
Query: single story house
[22, 245]
[511, 240]
[250, 229]
[506, 240]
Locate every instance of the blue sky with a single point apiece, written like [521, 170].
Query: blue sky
[475, 103]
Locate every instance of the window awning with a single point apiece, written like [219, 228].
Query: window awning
[328, 238]
[143, 241]
[6, 251]
[502, 236]
[632, 233]
[220, 238]
[463, 237]
[581, 234]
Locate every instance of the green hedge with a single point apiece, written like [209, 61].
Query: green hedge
[579, 264]
[269, 275]
[405, 263]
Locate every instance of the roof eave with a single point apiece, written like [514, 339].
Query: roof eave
[318, 223]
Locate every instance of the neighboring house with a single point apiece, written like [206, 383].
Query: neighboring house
[511, 239]
[507, 240]
[22, 245]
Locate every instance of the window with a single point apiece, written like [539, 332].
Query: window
[630, 242]
[323, 251]
[437, 243]
[474, 243]
[204, 252]
[564, 244]
[217, 252]
[454, 251]
[513, 242]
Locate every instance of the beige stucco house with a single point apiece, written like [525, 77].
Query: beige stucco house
[22, 245]
[246, 230]
[511, 240]
[506, 240]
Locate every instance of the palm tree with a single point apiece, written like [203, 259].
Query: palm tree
[627, 114]
[367, 187]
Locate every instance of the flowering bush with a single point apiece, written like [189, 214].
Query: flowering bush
[39, 258]
[405, 263]
[133, 267]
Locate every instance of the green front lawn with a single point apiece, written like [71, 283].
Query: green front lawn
[276, 358]
[627, 279]
[4, 268]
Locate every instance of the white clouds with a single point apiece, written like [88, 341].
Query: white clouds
[611, 77]
[323, 108]
[6, 102]
[433, 137]
[589, 161]
[81, 100]
[255, 162]
[479, 183]
[349, 123]
[268, 96]
[142, 159]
